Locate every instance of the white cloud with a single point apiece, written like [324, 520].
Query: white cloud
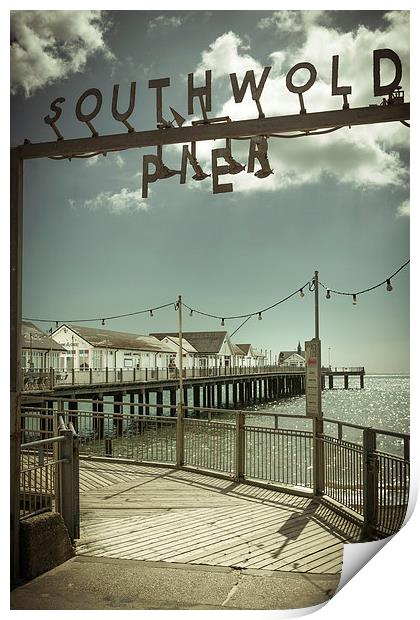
[124, 201]
[361, 156]
[48, 46]
[166, 21]
[293, 21]
[113, 158]
[403, 209]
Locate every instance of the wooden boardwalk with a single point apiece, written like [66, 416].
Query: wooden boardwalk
[137, 512]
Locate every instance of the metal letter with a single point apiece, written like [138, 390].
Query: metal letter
[124, 116]
[339, 90]
[218, 170]
[256, 91]
[301, 89]
[86, 118]
[379, 90]
[159, 84]
[258, 148]
[186, 155]
[200, 92]
[51, 120]
[149, 178]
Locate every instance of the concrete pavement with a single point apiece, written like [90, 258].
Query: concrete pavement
[103, 583]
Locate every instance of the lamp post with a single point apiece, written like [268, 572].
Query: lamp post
[180, 416]
[329, 358]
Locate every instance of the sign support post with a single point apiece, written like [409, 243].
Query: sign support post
[180, 416]
[313, 396]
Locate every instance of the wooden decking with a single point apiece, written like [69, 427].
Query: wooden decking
[136, 512]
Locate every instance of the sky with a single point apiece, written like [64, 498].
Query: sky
[336, 203]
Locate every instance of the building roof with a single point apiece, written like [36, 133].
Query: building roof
[35, 338]
[249, 350]
[283, 355]
[237, 350]
[203, 342]
[186, 346]
[119, 340]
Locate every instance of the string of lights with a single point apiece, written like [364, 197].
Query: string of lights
[105, 318]
[258, 313]
[354, 295]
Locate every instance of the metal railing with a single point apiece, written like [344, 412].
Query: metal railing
[41, 380]
[363, 470]
[49, 475]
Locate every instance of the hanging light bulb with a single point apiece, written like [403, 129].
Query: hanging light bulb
[354, 299]
[302, 294]
[151, 312]
[388, 285]
[191, 311]
[328, 295]
[222, 323]
[259, 316]
[176, 306]
[56, 325]
[103, 321]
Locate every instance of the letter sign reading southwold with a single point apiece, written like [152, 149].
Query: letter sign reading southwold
[257, 131]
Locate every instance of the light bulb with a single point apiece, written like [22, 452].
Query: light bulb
[259, 316]
[302, 294]
[103, 321]
[388, 285]
[151, 312]
[354, 300]
[222, 323]
[191, 312]
[328, 294]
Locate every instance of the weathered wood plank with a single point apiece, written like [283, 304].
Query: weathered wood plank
[139, 512]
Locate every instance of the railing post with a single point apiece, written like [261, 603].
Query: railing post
[76, 485]
[240, 446]
[370, 482]
[72, 376]
[66, 480]
[318, 456]
[106, 374]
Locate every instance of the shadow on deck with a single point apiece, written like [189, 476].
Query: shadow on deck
[156, 514]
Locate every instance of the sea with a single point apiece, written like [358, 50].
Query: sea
[384, 403]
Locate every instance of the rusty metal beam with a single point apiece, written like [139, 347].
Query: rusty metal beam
[212, 131]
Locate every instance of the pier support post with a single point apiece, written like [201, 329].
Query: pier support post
[219, 395]
[196, 398]
[331, 382]
[235, 394]
[98, 416]
[159, 401]
[362, 381]
[118, 414]
[172, 398]
[346, 382]
[227, 388]
[73, 417]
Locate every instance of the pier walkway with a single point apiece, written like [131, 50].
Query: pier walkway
[161, 538]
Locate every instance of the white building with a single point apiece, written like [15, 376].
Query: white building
[251, 356]
[90, 347]
[189, 353]
[292, 358]
[214, 349]
[39, 351]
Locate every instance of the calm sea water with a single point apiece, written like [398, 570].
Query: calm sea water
[384, 403]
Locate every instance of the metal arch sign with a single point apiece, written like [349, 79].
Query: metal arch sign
[257, 131]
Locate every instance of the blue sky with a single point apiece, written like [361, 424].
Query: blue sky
[338, 203]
